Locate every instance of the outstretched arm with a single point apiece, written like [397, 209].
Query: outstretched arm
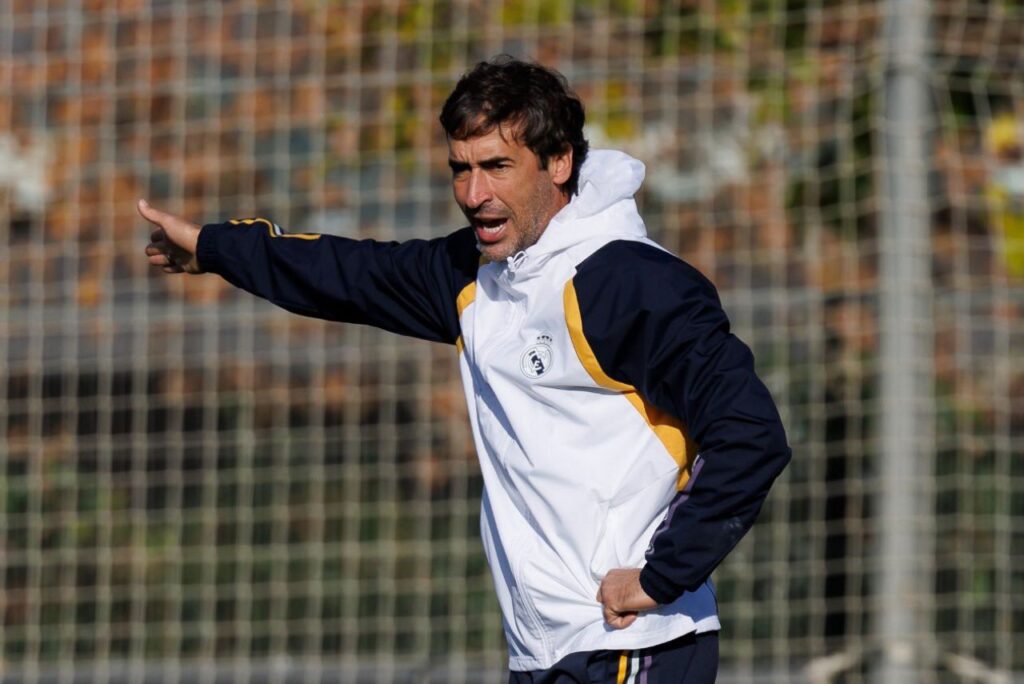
[409, 288]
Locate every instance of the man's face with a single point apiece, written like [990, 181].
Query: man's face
[503, 191]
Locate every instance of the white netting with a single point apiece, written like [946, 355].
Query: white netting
[196, 485]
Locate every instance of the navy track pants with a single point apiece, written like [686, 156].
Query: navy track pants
[690, 659]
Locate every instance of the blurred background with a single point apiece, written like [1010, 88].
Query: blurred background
[196, 486]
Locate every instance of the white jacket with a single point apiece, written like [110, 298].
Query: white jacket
[576, 480]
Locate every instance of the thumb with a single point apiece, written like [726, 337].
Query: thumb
[151, 214]
[154, 215]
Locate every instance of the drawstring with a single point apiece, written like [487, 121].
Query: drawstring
[516, 261]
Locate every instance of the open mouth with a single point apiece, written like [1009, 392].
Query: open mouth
[489, 229]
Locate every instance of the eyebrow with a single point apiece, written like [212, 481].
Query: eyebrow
[489, 163]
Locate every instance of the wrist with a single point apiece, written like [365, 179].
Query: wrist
[657, 587]
[206, 256]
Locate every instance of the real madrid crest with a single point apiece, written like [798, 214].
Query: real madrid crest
[536, 360]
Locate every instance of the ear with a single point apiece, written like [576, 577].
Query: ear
[560, 166]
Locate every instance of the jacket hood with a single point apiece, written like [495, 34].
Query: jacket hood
[603, 206]
[607, 177]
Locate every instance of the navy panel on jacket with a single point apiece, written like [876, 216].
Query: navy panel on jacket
[656, 323]
[409, 288]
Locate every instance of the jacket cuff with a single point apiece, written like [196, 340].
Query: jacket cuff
[207, 251]
[658, 587]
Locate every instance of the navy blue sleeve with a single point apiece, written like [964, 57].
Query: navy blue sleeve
[655, 323]
[409, 288]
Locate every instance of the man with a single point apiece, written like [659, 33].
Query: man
[625, 442]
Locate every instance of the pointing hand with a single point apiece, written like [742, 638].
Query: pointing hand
[172, 245]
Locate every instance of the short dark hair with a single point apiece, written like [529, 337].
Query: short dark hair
[534, 101]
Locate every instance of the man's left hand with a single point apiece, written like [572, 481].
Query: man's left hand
[622, 597]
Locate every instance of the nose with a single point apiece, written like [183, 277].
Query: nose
[478, 189]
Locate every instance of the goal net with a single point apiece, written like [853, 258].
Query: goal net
[196, 486]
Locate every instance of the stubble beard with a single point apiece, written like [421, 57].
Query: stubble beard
[527, 232]
[526, 235]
